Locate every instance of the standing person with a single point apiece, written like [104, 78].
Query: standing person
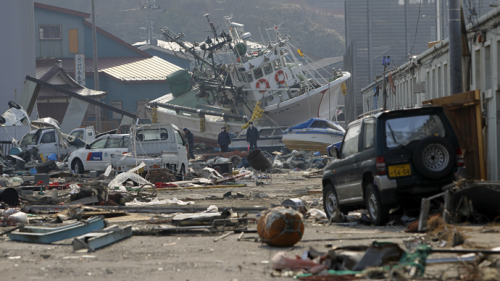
[190, 138]
[224, 140]
[252, 136]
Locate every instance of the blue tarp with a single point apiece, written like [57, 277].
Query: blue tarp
[309, 122]
[305, 124]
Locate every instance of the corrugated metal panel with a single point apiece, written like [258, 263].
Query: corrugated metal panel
[129, 68]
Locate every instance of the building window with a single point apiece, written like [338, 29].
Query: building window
[50, 32]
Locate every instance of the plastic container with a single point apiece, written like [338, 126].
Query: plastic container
[258, 160]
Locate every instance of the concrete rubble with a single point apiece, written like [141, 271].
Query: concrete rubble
[213, 214]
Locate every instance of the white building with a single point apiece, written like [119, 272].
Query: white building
[426, 77]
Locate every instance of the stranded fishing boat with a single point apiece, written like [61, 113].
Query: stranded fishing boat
[313, 135]
[234, 82]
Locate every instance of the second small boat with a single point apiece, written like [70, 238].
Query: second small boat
[313, 135]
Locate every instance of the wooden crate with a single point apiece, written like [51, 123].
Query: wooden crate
[464, 112]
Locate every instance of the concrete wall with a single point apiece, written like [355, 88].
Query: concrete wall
[17, 50]
[57, 48]
[383, 28]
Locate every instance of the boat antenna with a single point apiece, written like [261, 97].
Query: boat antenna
[212, 27]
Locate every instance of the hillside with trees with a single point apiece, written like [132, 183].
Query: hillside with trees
[318, 34]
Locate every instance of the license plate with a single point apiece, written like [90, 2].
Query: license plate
[399, 171]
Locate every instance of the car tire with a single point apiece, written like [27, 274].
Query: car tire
[180, 175]
[331, 202]
[14, 105]
[77, 166]
[434, 158]
[379, 213]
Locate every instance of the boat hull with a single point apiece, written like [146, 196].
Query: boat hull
[310, 141]
[317, 103]
[320, 102]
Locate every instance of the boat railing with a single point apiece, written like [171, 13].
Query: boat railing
[370, 112]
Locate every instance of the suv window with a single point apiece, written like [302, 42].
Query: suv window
[350, 145]
[402, 131]
[369, 133]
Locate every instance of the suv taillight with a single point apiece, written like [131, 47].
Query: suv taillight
[380, 161]
[460, 157]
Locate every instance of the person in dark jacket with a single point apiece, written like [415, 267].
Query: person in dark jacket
[190, 139]
[252, 136]
[224, 140]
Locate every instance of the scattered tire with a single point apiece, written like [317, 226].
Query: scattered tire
[46, 167]
[331, 202]
[77, 166]
[434, 157]
[14, 105]
[379, 213]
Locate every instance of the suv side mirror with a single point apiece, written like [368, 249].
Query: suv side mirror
[337, 152]
[87, 146]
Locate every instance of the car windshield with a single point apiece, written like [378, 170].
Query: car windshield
[402, 131]
[30, 138]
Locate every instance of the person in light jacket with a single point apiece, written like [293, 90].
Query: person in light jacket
[224, 140]
[252, 136]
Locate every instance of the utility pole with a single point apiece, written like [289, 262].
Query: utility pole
[385, 62]
[455, 45]
[96, 70]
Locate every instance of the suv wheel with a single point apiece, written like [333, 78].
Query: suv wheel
[434, 157]
[331, 202]
[379, 214]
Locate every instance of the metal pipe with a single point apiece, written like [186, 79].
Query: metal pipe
[455, 46]
[96, 69]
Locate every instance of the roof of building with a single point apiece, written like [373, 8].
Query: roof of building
[128, 69]
[62, 10]
[47, 71]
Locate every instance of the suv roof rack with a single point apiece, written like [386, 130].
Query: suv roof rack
[370, 112]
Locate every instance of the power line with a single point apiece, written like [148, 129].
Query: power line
[416, 29]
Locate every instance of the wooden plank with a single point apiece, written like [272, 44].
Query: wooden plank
[480, 141]
[454, 100]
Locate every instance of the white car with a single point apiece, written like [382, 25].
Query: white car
[96, 156]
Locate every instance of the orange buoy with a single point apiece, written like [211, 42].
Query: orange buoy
[281, 227]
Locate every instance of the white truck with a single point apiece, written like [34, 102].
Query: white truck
[14, 124]
[50, 140]
[159, 146]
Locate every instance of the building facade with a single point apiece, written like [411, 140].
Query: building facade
[426, 77]
[129, 76]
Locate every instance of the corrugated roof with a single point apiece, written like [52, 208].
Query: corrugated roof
[128, 69]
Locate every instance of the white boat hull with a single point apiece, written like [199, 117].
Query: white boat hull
[310, 141]
[317, 103]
